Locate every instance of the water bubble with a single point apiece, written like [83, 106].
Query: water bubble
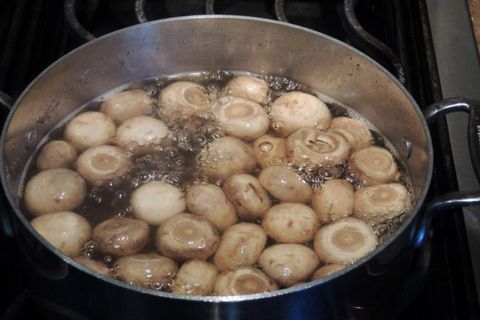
[265, 146]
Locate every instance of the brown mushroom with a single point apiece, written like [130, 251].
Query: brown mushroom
[242, 281]
[270, 151]
[248, 87]
[127, 104]
[333, 201]
[89, 129]
[326, 270]
[56, 154]
[353, 130]
[195, 277]
[285, 184]
[373, 165]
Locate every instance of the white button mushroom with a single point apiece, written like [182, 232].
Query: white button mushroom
[345, 241]
[209, 201]
[227, 156]
[291, 223]
[381, 202]
[56, 154]
[127, 104]
[66, 231]
[288, 263]
[373, 165]
[313, 146]
[140, 134]
[186, 236]
[294, 110]
[97, 266]
[146, 270]
[241, 245]
[183, 99]
[248, 87]
[326, 270]
[354, 131]
[195, 277]
[121, 236]
[333, 201]
[285, 184]
[156, 201]
[89, 129]
[243, 281]
[247, 195]
[241, 118]
[270, 151]
[101, 164]
[54, 190]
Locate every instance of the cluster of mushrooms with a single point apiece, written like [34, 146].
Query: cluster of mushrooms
[211, 238]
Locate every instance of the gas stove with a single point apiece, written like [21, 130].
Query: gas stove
[419, 41]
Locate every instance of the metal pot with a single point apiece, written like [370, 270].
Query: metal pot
[367, 289]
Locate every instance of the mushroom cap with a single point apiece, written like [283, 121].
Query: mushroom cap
[288, 263]
[242, 281]
[353, 130]
[146, 270]
[140, 134]
[227, 156]
[345, 241]
[373, 165]
[89, 129]
[183, 99]
[247, 195]
[56, 154]
[101, 164]
[295, 109]
[121, 236]
[248, 87]
[209, 201]
[186, 236]
[54, 190]
[312, 146]
[195, 277]
[285, 184]
[290, 223]
[270, 151]
[333, 201]
[65, 230]
[95, 265]
[241, 245]
[382, 202]
[156, 201]
[326, 270]
[127, 104]
[241, 118]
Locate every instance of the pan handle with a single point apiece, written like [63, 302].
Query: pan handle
[5, 226]
[457, 199]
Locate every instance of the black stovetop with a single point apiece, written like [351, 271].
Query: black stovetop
[396, 33]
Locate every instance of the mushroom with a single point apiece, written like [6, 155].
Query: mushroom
[121, 236]
[247, 195]
[270, 151]
[345, 241]
[333, 201]
[65, 230]
[288, 263]
[140, 134]
[183, 99]
[209, 201]
[101, 164]
[243, 281]
[146, 270]
[156, 201]
[241, 118]
[186, 236]
[56, 154]
[353, 130]
[241, 245]
[295, 109]
[127, 104]
[313, 146]
[97, 266]
[326, 270]
[248, 87]
[381, 202]
[285, 184]
[291, 223]
[89, 129]
[227, 156]
[54, 190]
[195, 277]
[373, 165]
